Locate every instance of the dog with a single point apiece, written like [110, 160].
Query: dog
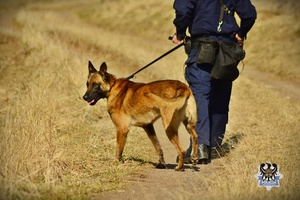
[141, 104]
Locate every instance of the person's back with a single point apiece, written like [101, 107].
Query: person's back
[201, 17]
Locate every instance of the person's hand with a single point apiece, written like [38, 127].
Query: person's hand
[175, 40]
[239, 40]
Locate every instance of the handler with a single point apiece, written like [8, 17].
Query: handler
[202, 19]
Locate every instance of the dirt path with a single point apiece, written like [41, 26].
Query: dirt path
[289, 89]
[163, 183]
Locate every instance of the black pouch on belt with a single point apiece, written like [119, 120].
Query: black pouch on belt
[227, 60]
[207, 50]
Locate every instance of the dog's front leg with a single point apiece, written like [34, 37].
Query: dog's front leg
[121, 140]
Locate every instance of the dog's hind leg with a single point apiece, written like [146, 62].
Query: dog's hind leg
[189, 122]
[191, 130]
[172, 134]
[171, 121]
[152, 135]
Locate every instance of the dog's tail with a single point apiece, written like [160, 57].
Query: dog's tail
[191, 110]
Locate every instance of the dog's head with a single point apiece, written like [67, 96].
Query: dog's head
[98, 84]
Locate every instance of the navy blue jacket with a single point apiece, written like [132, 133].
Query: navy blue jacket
[201, 17]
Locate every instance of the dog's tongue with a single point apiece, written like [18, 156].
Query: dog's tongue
[90, 102]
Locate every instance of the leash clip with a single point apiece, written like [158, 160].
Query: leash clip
[219, 27]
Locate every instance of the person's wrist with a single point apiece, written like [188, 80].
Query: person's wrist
[180, 36]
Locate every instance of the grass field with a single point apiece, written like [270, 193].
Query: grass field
[54, 146]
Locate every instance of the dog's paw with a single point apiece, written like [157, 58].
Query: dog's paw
[161, 166]
[119, 160]
[179, 168]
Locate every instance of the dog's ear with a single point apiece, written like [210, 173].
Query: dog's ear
[103, 67]
[91, 68]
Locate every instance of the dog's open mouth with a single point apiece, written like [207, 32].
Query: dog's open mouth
[93, 102]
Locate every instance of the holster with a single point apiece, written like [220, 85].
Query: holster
[187, 45]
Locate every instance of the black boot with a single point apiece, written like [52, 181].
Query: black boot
[203, 157]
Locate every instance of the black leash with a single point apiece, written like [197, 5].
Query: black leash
[160, 57]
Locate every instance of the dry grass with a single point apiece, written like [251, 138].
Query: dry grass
[52, 144]
[270, 131]
[50, 137]
[275, 39]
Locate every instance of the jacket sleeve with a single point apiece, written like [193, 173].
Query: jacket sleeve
[247, 12]
[183, 13]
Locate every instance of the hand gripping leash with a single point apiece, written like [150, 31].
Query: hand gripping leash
[160, 57]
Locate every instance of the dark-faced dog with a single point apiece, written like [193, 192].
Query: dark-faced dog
[141, 104]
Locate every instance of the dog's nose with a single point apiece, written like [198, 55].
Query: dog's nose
[85, 97]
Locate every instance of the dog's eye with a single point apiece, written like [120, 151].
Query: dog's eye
[95, 85]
